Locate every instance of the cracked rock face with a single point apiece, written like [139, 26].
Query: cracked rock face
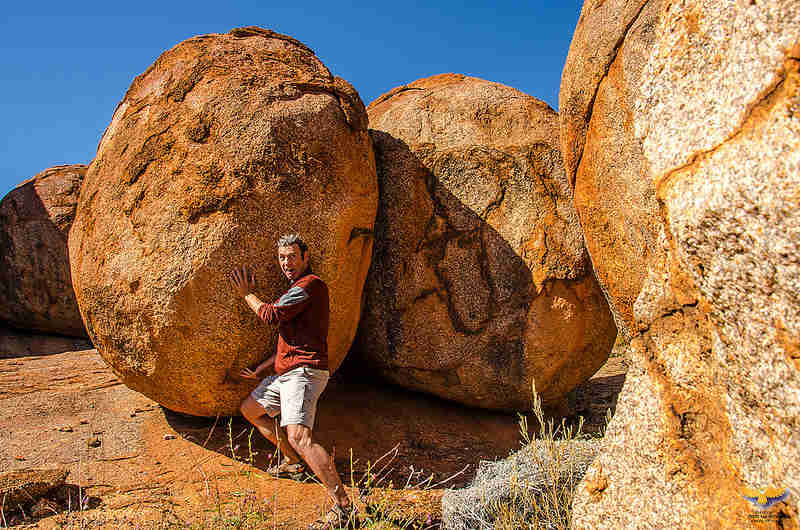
[614, 198]
[224, 144]
[35, 286]
[480, 283]
[715, 400]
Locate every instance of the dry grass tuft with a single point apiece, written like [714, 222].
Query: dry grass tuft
[532, 488]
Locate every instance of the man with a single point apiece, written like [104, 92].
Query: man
[300, 368]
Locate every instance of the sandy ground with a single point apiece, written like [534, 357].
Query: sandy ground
[134, 464]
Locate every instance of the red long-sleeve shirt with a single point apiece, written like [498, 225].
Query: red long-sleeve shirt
[302, 315]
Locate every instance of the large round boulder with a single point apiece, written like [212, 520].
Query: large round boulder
[225, 143]
[614, 198]
[711, 409]
[35, 286]
[480, 284]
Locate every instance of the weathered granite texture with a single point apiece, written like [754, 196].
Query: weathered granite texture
[224, 144]
[614, 197]
[713, 404]
[35, 285]
[480, 283]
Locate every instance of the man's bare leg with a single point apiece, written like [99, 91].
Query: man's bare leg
[269, 428]
[320, 462]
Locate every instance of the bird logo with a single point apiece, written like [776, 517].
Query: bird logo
[763, 499]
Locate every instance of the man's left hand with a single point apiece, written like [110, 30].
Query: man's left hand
[247, 373]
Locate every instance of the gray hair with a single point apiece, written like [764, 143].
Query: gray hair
[293, 239]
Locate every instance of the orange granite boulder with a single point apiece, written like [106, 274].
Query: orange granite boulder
[480, 284]
[35, 286]
[605, 165]
[710, 408]
[224, 144]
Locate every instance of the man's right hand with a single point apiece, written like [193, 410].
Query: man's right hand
[243, 280]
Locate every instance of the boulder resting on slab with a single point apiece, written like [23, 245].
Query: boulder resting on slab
[480, 284]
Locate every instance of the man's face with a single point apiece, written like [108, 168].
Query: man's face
[292, 261]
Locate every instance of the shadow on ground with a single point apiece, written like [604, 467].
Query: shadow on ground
[412, 436]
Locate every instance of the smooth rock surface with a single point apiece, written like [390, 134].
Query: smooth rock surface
[712, 404]
[614, 197]
[224, 144]
[35, 285]
[480, 282]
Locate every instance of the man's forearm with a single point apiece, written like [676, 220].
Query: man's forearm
[254, 302]
[265, 365]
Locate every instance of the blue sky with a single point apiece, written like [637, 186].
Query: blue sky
[64, 66]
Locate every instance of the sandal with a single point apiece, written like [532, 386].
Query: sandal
[337, 517]
[286, 469]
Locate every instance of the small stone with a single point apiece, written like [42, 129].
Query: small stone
[84, 422]
[20, 458]
[65, 428]
[93, 442]
[169, 436]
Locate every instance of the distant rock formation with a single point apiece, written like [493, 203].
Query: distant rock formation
[480, 283]
[35, 286]
[614, 197]
[710, 407]
[224, 144]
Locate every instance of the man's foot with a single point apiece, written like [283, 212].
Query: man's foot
[286, 469]
[337, 517]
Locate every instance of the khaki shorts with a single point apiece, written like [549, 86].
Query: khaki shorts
[293, 395]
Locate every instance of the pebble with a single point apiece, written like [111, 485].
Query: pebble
[169, 436]
[93, 442]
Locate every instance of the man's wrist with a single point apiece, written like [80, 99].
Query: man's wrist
[253, 301]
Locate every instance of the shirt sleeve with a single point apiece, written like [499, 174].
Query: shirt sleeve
[288, 306]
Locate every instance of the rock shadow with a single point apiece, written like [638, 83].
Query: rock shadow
[596, 402]
[15, 344]
[67, 498]
[411, 435]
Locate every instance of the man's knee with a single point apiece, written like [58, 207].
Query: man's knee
[299, 437]
[251, 409]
